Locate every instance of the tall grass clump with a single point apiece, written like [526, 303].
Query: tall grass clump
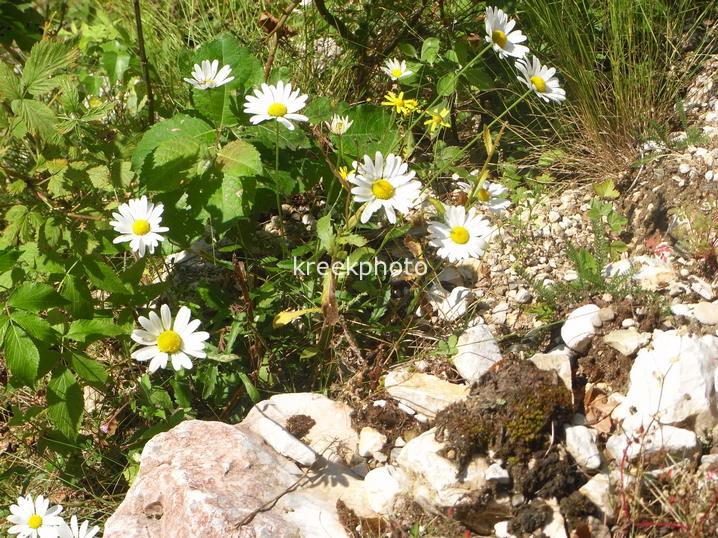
[626, 63]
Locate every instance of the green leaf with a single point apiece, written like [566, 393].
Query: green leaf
[430, 49]
[103, 276]
[606, 189]
[8, 258]
[21, 356]
[35, 297]
[9, 83]
[479, 78]
[89, 330]
[408, 50]
[179, 126]
[75, 290]
[35, 326]
[239, 158]
[171, 162]
[446, 85]
[65, 404]
[37, 117]
[233, 198]
[252, 391]
[247, 70]
[90, 370]
[326, 233]
[46, 58]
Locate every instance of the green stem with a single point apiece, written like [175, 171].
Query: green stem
[280, 211]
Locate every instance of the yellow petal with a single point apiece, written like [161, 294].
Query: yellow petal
[287, 316]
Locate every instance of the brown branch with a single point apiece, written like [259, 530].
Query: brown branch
[144, 63]
[335, 22]
[273, 36]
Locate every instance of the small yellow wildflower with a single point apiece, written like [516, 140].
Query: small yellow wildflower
[401, 105]
[437, 119]
[344, 172]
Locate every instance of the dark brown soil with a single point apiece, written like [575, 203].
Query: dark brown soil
[604, 364]
[551, 476]
[530, 517]
[388, 419]
[576, 508]
[299, 425]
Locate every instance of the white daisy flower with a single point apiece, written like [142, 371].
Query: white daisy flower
[278, 103]
[205, 75]
[139, 223]
[396, 69]
[35, 519]
[541, 80]
[164, 340]
[492, 195]
[460, 235]
[79, 531]
[384, 183]
[501, 34]
[339, 124]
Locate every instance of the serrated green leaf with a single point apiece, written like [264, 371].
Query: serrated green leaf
[325, 233]
[65, 403]
[179, 126]
[606, 189]
[90, 370]
[89, 330]
[21, 355]
[233, 198]
[8, 258]
[9, 83]
[46, 58]
[103, 276]
[35, 326]
[35, 297]
[75, 290]
[171, 162]
[37, 117]
[239, 158]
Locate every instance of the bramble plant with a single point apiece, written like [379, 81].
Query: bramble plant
[118, 234]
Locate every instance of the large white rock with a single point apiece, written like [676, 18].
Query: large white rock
[580, 326]
[650, 272]
[673, 379]
[654, 439]
[448, 305]
[706, 313]
[384, 488]
[332, 435]
[581, 444]
[477, 351]
[558, 359]
[424, 393]
[438, 482]
[556, 528]
[371, 441]
[598, 491]
[627, 341]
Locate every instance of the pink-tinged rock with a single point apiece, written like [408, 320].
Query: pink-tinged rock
[209, 479]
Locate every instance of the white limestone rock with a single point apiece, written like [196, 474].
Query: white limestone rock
[558, 359]
[581, 444]
[654, 439]
[477, 351]
[705, 313]
[371, 442]
[626, 341]
[580, 327]
[424, 393]
[598, 490]
[384, 488]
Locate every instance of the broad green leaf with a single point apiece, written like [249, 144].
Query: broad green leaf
[171, 163]
[46, 58]
[37, 117]
[408, 50]
[371, 131]
[430, 49]
[247, 70]
[100, 177]
[233, 198]
[35, 297]
[7, 259]
[90, 370]
[325, 233]
[446, 84]
[179, 126]
[103, 276]
[239, 158]
[65, 404]
[35, 326]
[21, 355]
[9, 83]
[89, 330]
[479, 78]
[75, 290]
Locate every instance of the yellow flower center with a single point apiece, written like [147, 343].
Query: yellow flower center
[396, 72]
[35, 521]
[382, 189]
[140, 227]
[499, 37]
[459, 235]
[277, 110]
[484, 195]
[169, 342]
[539, 83]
